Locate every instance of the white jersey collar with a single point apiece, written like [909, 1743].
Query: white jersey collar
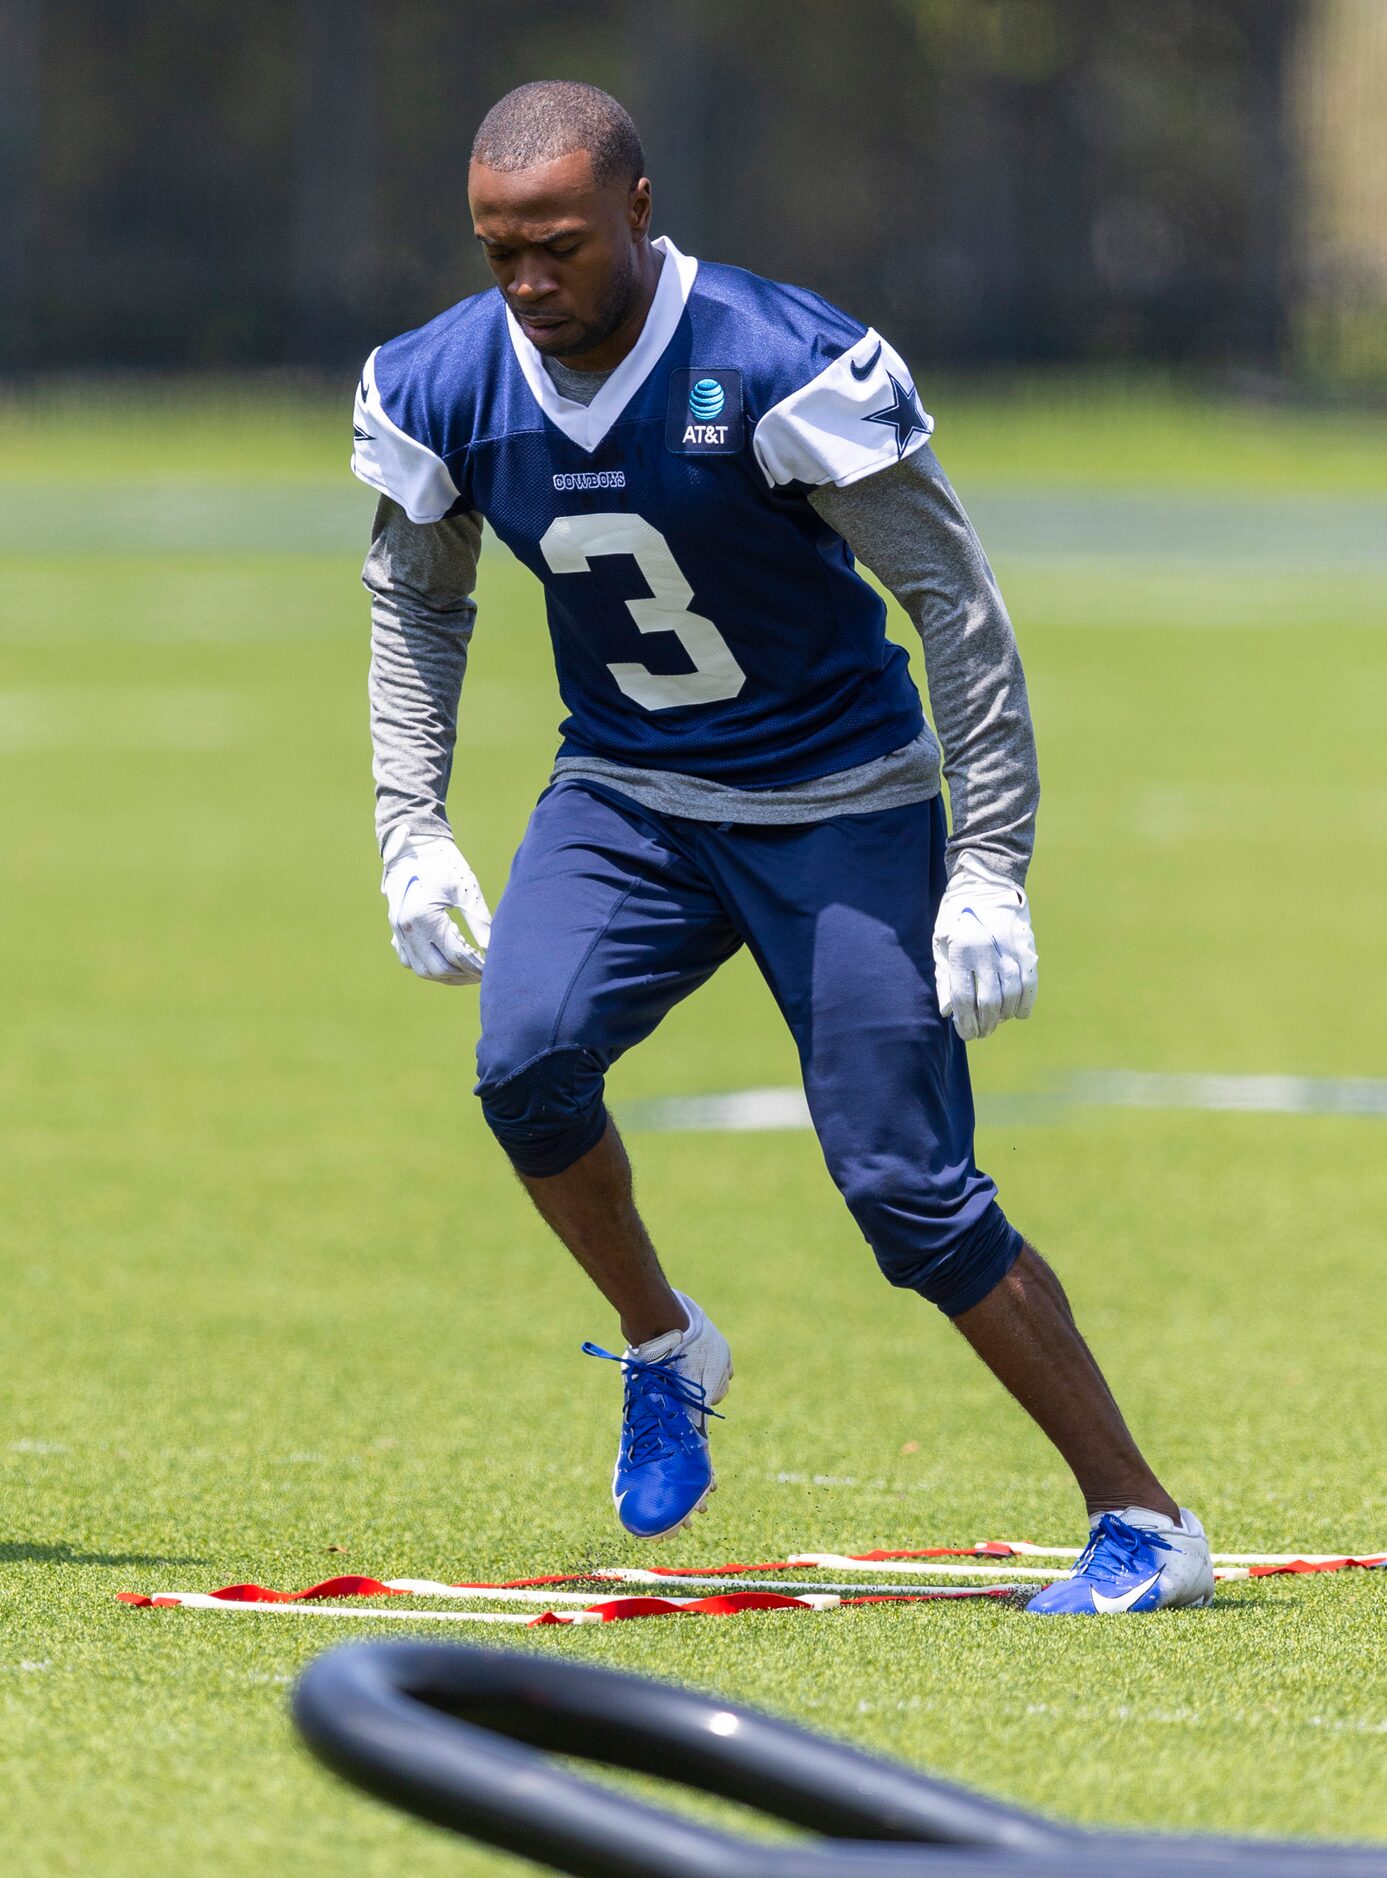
[587, 424]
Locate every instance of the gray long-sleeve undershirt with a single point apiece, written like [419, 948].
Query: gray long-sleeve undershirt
[904, 523]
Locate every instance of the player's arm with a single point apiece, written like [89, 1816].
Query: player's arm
[420, 573]
[421, 576]
[905, 523]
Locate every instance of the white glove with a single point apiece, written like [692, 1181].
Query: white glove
[425, 876]
[984, 950]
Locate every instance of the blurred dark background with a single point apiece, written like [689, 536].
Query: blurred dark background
[282, 182]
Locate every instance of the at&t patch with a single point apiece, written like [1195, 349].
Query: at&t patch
[704, 414]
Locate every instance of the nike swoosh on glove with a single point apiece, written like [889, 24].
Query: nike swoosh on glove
[424, 878]
[984, 950]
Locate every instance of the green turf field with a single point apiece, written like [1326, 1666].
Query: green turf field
[274, 1306]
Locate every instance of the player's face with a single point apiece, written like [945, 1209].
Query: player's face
[564, 249]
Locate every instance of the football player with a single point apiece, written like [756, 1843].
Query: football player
[691, 459]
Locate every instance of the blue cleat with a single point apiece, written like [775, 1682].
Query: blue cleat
[1134, 1567]
[663, 1470]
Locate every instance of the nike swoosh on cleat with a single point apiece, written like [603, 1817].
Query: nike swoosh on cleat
[860, 372]
[1128, 1598]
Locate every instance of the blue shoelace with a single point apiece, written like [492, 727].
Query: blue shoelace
[1114, 1536]
[652, 1389]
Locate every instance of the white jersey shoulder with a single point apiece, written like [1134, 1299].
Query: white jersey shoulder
[860, 415]
[388, 459]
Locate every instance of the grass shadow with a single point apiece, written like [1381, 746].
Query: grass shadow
[17, 1552]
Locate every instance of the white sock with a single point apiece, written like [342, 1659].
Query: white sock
[667, 1344]
[700, 1348]
[1146, 1519]
[657, 1349]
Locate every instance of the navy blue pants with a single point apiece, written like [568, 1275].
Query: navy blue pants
[614, 913]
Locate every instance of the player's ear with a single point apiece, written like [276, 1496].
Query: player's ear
[638, 210]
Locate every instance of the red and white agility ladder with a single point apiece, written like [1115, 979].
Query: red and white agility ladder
[739, 1591]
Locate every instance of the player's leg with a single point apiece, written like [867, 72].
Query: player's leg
[591, 1206]
[840, 915]
[1025, 1332]
[604, 925]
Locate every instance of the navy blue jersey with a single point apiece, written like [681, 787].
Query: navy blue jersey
[704, 618]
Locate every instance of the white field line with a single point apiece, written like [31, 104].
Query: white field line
[1229, 1566]
[789, 1588]
[928, 1568]
[511, 1594]
[920, 1568]
[755, 1111]
[1250, 1095]
[1291, 1558]
[204, 1601]
[711, 1587]
[503, 1594]
[741, 1111]
[1023, 1548]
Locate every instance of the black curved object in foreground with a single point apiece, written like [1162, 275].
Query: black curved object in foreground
[459, 1736]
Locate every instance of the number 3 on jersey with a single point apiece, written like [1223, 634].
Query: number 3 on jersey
[572, 542]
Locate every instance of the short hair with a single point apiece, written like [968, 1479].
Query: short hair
[553, 117]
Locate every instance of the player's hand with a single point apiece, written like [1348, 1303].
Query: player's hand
[984, 950]
[424, 878]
